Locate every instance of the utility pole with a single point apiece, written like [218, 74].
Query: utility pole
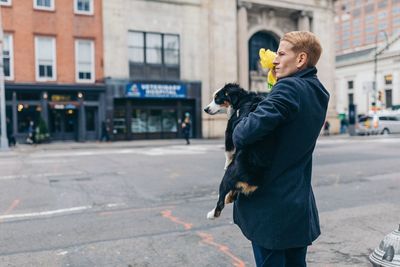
[3, 137]
[375, 87]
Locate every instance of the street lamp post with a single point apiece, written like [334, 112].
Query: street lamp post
[3, 137]
[375, 87]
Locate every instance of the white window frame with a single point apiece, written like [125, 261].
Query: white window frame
[92, 70]
[81, 12]
[54, 63]
[51, 8]
[11, 46]
[8, 3]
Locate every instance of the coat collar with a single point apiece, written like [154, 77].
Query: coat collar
[308, 72]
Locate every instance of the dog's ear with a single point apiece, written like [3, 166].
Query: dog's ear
[233, 93]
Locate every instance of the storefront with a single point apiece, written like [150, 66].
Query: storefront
[154, 110]
[69, 112]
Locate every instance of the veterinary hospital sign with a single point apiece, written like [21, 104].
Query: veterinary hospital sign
[155, 90]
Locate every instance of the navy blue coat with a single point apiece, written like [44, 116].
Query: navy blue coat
[282, 213]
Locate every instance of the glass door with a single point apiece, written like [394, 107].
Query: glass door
[64, 124]
[154, 123]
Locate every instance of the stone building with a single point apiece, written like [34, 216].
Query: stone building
[165, 58]
[357, 72]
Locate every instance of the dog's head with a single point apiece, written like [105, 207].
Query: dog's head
[224, 98]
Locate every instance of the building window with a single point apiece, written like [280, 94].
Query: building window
[382, 25]
[45, 48]
[382, 4]
[84, 58]
[153, 55]
[396, 22]
[153, 48]
[351, 98]
[5, 2]
[356, 41]
[350, 85]
[171, 49]
[8, 58]
[136, 47]
[84, 7]
[43, 4]
[396, 10]
[388, 98]
[388, 79]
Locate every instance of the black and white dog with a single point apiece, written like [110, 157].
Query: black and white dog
[243, 168]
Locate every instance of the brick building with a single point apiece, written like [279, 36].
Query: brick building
[367, 55]
[53, 52]
[358, 22]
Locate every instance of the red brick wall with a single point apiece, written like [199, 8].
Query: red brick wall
[24, 23]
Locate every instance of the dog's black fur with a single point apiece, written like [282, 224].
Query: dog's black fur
[245, 171]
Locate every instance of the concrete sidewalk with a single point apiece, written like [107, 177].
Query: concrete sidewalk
[70, 145]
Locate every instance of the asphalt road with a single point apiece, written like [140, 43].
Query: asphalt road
[146, 205]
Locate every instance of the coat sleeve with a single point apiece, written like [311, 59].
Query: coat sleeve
[280, 105]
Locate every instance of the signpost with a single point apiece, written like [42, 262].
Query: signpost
[3, 126]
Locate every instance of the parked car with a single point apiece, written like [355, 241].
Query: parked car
[389, 124]
[378, 124]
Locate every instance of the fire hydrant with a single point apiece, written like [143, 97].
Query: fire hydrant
[387, 254]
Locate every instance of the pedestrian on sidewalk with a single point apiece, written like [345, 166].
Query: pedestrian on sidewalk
[31, 139]
[186, 125]
[327, 125]
[10, 133]
[280, 218]
[105, 131]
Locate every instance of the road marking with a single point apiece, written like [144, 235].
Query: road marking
[43, 213]
[206, 238]
[168, 214]
[13, 205]
[155, 151]
[41, 175]
[62, 253]
[209, 240]
[51, 212]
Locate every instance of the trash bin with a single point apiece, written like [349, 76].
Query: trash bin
[387, 254]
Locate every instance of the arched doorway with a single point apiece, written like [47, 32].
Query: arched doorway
[257, 76]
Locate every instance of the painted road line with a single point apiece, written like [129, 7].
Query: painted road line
[209, 240]
[206, 238]
[13, 205]
[168, 214]
[160, 151]
[42, 175]
[53, 212]
[43, 213]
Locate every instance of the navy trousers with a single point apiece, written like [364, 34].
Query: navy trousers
[292, 257]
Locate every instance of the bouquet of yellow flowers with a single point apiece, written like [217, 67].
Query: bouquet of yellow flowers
[266, 59]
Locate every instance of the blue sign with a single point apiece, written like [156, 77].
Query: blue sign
[155, 90]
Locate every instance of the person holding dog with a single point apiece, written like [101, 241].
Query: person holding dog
[281, 218]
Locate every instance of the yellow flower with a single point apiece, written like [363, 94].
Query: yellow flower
[266, 58]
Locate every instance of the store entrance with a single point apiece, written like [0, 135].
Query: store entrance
[154, 123]
[64, 124]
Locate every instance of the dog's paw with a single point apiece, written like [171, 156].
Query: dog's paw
[230, 197]
[210, 215]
